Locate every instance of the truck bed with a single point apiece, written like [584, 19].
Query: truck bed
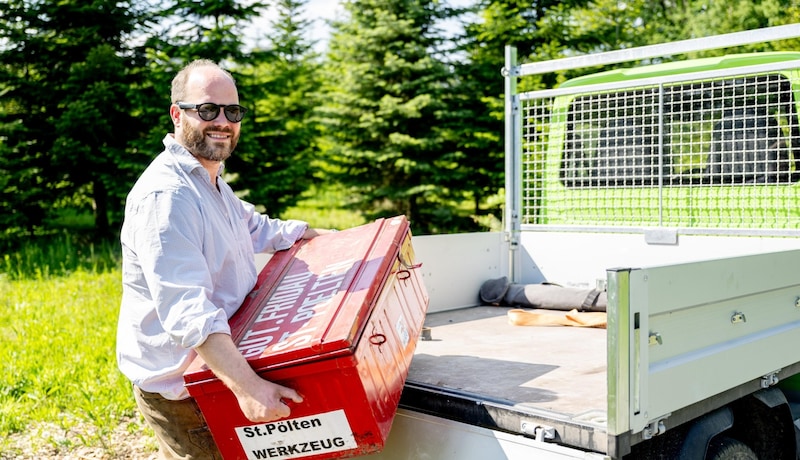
[514, 378]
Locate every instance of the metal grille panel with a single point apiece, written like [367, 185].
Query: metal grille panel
[712, 153]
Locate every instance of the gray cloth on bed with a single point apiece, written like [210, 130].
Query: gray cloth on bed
[548, 296]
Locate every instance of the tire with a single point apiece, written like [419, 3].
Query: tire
[727, 448]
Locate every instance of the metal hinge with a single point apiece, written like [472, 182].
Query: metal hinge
[770, 379]
[655, 428]
[538, 432]
[738, 317]
[515, 106]
[655, 339]
[512, 72]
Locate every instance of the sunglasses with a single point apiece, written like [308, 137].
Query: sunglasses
[208, 111]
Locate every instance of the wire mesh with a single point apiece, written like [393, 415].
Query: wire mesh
[714, 153]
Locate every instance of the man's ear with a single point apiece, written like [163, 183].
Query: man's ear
[175, 115]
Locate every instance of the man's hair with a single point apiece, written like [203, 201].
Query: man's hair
[179, 82]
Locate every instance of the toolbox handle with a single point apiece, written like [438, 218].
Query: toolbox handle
[404, 273]
[377, 339]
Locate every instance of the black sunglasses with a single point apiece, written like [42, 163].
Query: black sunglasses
[208, 111]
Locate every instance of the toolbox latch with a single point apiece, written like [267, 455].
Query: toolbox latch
[405, 273]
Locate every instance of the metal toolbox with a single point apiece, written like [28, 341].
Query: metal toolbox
[336, 318]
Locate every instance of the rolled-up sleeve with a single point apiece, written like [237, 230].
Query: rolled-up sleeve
[176, 270]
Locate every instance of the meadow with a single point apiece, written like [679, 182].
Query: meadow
[61, 394]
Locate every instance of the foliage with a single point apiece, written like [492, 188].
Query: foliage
[321, 208]
[477, 111]
[63, 119]
[59, 254]
[404, 118]
[82, 83]
[604, 25]
[273, 160]
[205, 29]
[386, 91]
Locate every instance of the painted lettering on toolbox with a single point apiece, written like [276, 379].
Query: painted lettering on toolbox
[260, 336]
[299, 437]
[289, 300]
[255, 340]
[324, 289]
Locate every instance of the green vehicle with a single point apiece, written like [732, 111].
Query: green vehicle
[693, 150]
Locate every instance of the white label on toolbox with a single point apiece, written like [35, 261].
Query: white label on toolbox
[297, 437]
[402, 331]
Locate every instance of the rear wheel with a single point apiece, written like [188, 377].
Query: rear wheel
[727, 448]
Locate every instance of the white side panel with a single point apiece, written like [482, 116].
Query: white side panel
[455, 266]
[715, 324]
[580, 259]
[261, 261]
[417, 436]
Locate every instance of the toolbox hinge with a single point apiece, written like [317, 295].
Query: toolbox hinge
[655, 428]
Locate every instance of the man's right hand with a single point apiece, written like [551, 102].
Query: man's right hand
[265, 402]
[260, 400]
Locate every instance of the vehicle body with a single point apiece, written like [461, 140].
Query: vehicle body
[674, 188]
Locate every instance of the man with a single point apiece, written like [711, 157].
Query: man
[188, 247]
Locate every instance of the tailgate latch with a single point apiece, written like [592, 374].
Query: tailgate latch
[655, 428]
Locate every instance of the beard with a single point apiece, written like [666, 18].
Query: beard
[198, 144]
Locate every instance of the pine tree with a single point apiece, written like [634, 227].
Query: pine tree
[64, 116]
[385, 98]
[273, 163]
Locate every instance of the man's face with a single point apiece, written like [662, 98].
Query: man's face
[214, 139]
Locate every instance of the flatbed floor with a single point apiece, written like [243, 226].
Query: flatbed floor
[558, 370]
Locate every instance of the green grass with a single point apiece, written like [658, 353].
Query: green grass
[59, 303]
[322, 209]
[59, 255]
[57, 360]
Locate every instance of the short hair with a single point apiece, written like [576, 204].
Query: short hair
[178, 92]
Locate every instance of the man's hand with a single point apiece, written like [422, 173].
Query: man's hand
[265, 402]
[259, 399]
[314, 232]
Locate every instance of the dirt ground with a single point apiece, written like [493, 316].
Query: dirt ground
[50, 441]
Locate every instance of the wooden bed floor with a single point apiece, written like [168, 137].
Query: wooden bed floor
[559, 369]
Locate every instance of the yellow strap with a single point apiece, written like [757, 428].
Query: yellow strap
[519, 317]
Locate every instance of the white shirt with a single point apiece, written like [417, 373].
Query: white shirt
[187, 265]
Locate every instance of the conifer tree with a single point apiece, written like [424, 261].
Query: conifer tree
[386, 90]
[273, 163]
[65, 118]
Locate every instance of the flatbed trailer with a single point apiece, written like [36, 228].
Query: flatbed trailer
[701, 272]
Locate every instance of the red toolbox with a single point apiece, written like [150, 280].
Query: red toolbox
[336, 318]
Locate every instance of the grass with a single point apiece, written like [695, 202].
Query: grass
[59, 303]
[57, 360]
[321, 209]
[58, 255]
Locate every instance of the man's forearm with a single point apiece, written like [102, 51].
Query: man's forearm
[259, 399]
[221, 355]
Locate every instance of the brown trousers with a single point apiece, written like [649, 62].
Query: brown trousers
[180, 428]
